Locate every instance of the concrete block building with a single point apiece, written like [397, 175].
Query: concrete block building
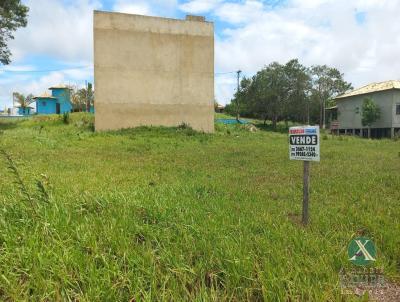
[153, 71]
[345, 117]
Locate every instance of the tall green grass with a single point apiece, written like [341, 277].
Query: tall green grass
[158, 214]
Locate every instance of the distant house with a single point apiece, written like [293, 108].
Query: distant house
[57, 103]
[345, 117]
[24, 110]
[219, 108]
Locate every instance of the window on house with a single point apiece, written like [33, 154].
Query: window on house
[44, 103]
[398, 109]
[357, 110]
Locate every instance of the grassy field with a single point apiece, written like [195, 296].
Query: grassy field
[157, 214]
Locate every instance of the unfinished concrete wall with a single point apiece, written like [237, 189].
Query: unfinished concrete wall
[153, 71]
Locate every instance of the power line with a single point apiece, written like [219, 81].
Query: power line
[44, 70]
[75, 68]
[221, 73]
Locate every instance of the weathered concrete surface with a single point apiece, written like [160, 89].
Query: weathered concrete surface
[153, 71]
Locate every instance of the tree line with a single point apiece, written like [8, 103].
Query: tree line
[288, 92]
[82, 99]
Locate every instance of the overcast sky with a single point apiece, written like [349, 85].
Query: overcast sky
[359, 37]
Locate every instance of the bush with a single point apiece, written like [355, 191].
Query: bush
[184, 126]
[65, 118]
[91, 126]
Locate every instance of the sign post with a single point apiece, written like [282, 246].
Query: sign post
[306, 190]
[304, 146]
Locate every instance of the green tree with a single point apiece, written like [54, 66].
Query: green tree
[13, 15]
[277, 92]
[270, 93]
[238, 105]
[289, 92]
[82, 99]
[298, 92]
[89, 96]
[75, 98]
[327, 83]
[370, 113]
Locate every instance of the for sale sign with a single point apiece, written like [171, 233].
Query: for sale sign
[304, 143]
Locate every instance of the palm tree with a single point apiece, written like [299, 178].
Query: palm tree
[22, 100]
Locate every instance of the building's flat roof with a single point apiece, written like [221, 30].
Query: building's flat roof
[190, 18]
[373, 87]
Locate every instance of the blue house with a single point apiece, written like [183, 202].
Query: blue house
[24, 110]
[57, 103]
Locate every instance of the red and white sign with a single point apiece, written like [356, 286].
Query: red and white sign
[304, 143]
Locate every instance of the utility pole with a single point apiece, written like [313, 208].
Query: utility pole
[237, 95]
[14, 99]
[238, 80]
[324, 124]
[86, 94]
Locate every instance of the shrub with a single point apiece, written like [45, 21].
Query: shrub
[187, 129]
[65, 118]
[183, 126]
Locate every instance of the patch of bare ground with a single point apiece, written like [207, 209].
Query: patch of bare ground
[389, 293]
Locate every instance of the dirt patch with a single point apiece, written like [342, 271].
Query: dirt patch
[389, 293]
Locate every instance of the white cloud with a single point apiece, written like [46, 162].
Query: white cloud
[61, 32]
[199, 6]
[64, 31]
[224, 86]
[27, 83]
[316, 32]
[145, 7]
[37, 87]
[57, 30]
[24, 84]
[128, 7]
[240, 12]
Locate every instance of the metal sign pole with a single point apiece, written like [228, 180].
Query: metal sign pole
[306, 191]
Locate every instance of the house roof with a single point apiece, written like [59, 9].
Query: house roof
[373, 87]
[59, 87]
[44, 96]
